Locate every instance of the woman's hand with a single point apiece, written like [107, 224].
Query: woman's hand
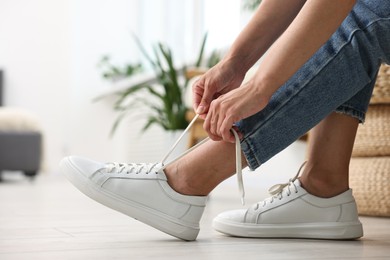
[220, 101]
[231, 107]
[217, 81]
[301, 29]
[211, 91]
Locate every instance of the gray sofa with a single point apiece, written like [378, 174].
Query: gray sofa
[19, 150]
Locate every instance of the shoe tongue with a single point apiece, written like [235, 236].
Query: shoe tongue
[161, 175]
[297, 182]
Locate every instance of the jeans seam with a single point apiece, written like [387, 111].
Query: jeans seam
[250, 157]
[351, 111]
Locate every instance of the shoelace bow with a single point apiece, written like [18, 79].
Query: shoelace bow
[276, 191]
[138, 168]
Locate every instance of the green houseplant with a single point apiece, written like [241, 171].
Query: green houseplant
[163, 96]
[114, 73]
[251, 4]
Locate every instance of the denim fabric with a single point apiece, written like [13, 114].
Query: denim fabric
[339, 77]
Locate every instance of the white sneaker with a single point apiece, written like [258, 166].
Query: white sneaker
[294, 213]
[140, 191]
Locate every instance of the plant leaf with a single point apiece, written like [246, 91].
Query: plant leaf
[142, 49]
[200, 57]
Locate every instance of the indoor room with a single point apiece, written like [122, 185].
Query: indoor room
[112, 81]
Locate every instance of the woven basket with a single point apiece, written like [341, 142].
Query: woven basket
[373, 137]
[370, 181]
[381, 93]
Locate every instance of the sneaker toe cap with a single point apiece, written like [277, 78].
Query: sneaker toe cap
[237, 216]
[80, 165]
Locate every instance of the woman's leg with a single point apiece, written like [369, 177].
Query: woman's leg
[203, 169]
[325, 174]
[339, 77]
[329, 153]
[317, 205]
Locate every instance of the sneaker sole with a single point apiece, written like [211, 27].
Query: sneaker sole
[149, 216]
[334, 231]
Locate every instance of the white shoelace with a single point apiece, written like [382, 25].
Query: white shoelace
[147, 168]
[238, 156]
[276, 191]
[130, 167]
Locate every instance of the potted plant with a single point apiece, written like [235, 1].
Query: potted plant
[162, 97]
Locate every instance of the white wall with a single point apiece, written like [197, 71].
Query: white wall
[49, 51]
[97, 27]
[34, 54]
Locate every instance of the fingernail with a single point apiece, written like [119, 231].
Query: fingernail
[200, 110]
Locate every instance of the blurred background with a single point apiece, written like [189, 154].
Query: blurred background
[50, 52]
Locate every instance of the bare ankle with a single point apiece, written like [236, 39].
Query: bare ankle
[324, 183]
[181, 184]
[200, 171]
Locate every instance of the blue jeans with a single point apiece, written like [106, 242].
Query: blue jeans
[339, 77]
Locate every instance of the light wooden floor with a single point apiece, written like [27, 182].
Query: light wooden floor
[50, 219]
